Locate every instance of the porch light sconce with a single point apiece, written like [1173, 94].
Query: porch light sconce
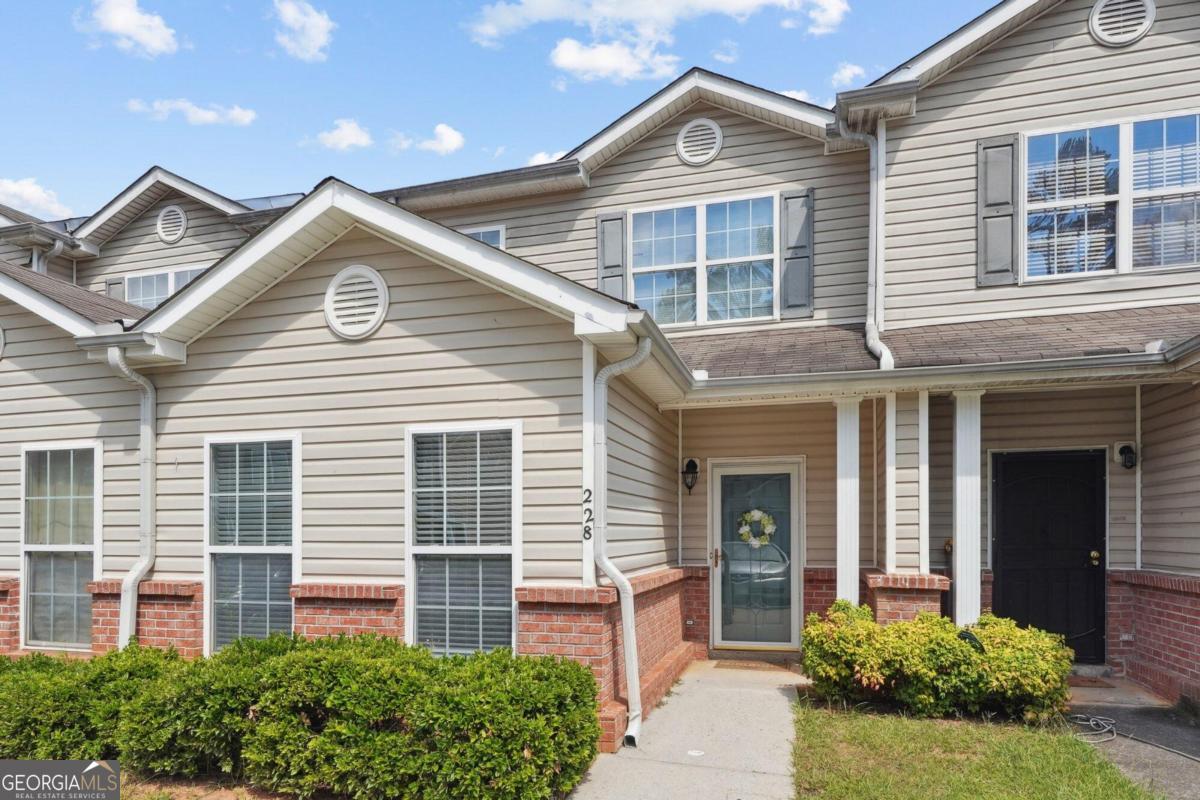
[691, 473]
[1128, 456]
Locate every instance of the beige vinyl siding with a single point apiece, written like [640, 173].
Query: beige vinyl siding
[51, 392]
[907, 477]
[642, 481]
[1050, 74]
[559, 232]
[137, 248]
[450, 350]
[1085, 419]
[1171, 478]
[808, 430]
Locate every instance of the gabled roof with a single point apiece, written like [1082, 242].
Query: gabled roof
[977, 35]
[70, 307]
[147, 190]
[333, 208]
[15, 216]
[694, 86]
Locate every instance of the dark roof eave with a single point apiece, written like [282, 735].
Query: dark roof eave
[565, 168]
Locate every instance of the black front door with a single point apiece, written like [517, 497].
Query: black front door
[1048, 544]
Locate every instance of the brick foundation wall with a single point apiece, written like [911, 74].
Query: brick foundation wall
[333, 609]
[10, 599]
[896, 597]
[819, 589]
[585, 625]
[170, 614]
[1154, 631]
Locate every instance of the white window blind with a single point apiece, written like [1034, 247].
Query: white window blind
[59, 540]
[462, 516]
[251, 538]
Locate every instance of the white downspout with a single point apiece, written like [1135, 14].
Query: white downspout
[39, 260]
[624, 587]
[875, 220]
[147, 448]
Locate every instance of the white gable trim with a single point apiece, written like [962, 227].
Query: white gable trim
[157, 175]
[451, 249]
[697, 81]
[962, 39]
[47, 309]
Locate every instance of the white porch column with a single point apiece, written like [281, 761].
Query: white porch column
[847, 498]
[968, 406]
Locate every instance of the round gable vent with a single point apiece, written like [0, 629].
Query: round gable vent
[698, 142]
[172, 224]
[1117, 23]
[356, 302]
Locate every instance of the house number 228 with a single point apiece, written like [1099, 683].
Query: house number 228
[587, 514]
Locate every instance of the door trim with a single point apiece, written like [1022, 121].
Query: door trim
[750, 465]
[1100, 451]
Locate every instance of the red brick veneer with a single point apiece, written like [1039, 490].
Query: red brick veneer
[1154, 630]
[170, 614]
[331, 609]
[585, 624]
[10, 599]
[896, 597]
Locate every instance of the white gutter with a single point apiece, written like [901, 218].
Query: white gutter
[624, 587]
[147, 449]
[874, 283]
[39, 260]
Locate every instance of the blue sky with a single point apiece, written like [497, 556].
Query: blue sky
[270, 96]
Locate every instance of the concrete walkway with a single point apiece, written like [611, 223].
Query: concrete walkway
[1138, 712]
[724, 733]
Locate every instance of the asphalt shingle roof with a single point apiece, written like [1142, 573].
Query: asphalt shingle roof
[841, 348]
[91, 306]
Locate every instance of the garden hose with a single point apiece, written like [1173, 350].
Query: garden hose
[1098, 730]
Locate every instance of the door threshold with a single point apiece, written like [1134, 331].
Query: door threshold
[771, 655]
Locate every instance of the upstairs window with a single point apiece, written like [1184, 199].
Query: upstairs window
[1113, 198]
[493, 235]
[1073, 188]
[714, 262]
[149, 290]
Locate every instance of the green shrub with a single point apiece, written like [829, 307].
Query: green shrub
[926, 667]
[60, 708]
[193, 722]
[371, 719]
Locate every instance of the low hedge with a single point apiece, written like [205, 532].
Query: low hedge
[929, 667]
[361, 717]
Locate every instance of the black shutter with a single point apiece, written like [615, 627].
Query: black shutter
[610, 254]
[996, 211]
[796, 237]
[115, 288]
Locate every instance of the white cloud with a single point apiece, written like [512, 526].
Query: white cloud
[445, 140]
[807, 97]
[400, 142]
[29, 196]
[559, 84]
[542, 157]
[727, 53]
[846, 74]
[788, 23]
[630, 39]
[346, 134]
[133, 30]
[614, 61]
[496, 152]
[306, 32]
[212, 114]
[825, 16]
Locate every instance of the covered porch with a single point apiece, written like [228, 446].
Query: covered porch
[1064, 507]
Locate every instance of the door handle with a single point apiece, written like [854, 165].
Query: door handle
[716, 557]
[1095, 558]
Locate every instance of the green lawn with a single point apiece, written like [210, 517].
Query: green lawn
[857, 755]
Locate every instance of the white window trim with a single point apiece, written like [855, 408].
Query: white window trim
[96, 548]
[295, 548]
[172, 279]
[514, 550]
[501, 229]
[1125, 197]
[700, 264]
